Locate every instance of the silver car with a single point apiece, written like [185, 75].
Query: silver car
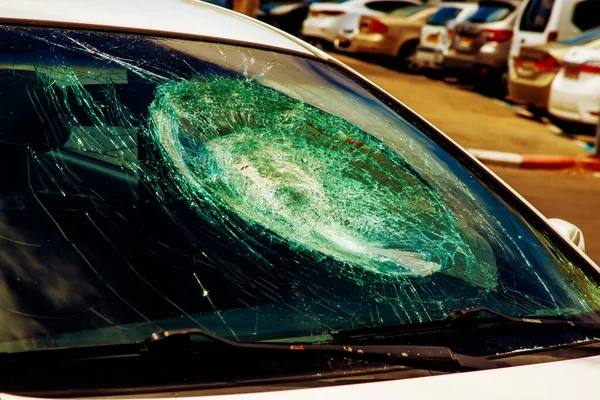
[481, 44]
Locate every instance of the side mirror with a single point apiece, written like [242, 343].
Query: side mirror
[568, 231]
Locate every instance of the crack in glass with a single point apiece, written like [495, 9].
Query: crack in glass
[310, 177]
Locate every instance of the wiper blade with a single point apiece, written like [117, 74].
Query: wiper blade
[422, 357]
[467, 318]
[176, 343]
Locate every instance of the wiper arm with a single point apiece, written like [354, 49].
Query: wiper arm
[176, 343]
[466, 318]
[422, 357]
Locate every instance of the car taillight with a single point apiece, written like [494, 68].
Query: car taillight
[548, 63]
[518, 62]
[590, 67]
[363, 24]
[496, 35]
[374, 26]
[451, 34]
[552, 36]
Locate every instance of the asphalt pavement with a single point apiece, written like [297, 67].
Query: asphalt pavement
[475, 121]
[471, 119]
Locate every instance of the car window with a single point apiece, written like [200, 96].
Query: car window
[584, 38]
[536, 15]
[154, 183]
[586, 14]
[408, 11]
[387, 6]
[442, 16]
[491, 13]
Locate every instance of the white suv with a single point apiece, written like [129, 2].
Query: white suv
[544, 21]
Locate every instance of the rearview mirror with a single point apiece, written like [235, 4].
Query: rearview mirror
[568, 231]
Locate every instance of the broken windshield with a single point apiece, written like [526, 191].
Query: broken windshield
[151, 183]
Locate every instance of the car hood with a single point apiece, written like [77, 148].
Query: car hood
[169, 16]
[553, 380]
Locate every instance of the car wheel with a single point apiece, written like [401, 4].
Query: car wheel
[491, 82]
[434, 74]
[406, 57]
[325, 45]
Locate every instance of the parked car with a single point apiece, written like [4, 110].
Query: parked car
[221, 3]
[575, 92]
[287, 16]
[395, 35]
[435, 40]
[481, 44]
[536, 66]
[202, 210]
[545, 21]
[335, 23]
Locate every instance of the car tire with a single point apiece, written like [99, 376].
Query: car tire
[405, 60]
[493, 84]
[433, 74]
[326, 46]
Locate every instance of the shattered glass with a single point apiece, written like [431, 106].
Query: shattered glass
[151, 183]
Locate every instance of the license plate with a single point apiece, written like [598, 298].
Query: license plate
[465, 42]
[572, 72]
[529, 64]
[424, 58]
[433, 38]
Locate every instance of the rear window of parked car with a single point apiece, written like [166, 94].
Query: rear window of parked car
[408, 11]
[536, 15]
[586, 15]
[584, 38]
[443, 15]
[387, 6]
[491, 13]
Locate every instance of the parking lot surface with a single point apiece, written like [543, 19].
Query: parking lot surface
[471, 119]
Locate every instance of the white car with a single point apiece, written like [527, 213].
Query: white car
[545, 21]
[575, 91]
[435, 39]
[196, 205]
[335, 24]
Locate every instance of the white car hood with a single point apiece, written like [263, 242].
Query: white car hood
[193, 17]
[553, 380]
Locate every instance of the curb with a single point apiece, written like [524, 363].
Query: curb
[535, 161]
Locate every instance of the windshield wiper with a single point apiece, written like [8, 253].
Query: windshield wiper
[423, 357]
[466, 318]
[182, 343]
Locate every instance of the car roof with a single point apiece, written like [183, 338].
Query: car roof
[188, 17]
